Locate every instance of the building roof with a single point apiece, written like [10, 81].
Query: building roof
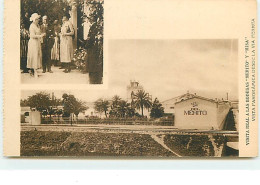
[203, 98]
[186, 95]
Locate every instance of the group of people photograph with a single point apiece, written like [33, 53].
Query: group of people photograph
[47, 44]
[66, 37]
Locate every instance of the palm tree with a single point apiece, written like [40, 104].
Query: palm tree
[141, 100]
[130, 111]
[122, 108]
[114, 106]
[115, 100]
[102, 106]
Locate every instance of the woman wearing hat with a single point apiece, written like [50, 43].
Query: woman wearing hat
[66, 47]
[34, 56]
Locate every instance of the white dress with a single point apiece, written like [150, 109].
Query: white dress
[34, 56]
[55, 51]
[66, 46]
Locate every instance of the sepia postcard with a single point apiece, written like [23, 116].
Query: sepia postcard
[140, 79]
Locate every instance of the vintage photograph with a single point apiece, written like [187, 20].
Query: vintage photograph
[61, 41]
[166, 98]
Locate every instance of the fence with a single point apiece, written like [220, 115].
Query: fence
[108, 121]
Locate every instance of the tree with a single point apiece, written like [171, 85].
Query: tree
[40, 101]
[157, 110]
[125, 109]
[24, 103]
[68, 102]
[52, 109]
[122, 108]
[43, 103]
[101, 106]
[54, 103]
[79, 107]
[130, 111]
[141, 100]
[115, 100]
[72, 105]
[53, 9]
[114, 106]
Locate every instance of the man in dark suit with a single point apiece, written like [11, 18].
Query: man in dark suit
[47, 43]
[26, 21]
[95, 64]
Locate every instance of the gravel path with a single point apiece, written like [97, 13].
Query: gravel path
[161, 142]
[57, 77]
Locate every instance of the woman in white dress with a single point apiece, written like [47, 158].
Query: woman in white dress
[34, 56]
[66, 47]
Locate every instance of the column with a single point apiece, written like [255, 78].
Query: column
[86, 23]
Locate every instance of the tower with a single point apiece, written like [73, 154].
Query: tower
[132, 88]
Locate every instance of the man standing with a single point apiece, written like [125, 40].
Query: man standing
[47, 44]
[26, 21]
[94, 58]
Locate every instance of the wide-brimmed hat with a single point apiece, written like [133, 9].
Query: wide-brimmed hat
[34, 16]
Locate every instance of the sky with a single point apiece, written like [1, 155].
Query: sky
[169, 68]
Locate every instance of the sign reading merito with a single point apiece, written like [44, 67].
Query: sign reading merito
[195, 111]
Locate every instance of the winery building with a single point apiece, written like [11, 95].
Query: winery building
[169, 105]
[201, 113]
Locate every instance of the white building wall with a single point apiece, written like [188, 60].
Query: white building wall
[35, 118]
[91, 112]
[169, 106]
[196, 113]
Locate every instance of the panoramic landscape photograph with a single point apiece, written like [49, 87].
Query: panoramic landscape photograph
[160, 102]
